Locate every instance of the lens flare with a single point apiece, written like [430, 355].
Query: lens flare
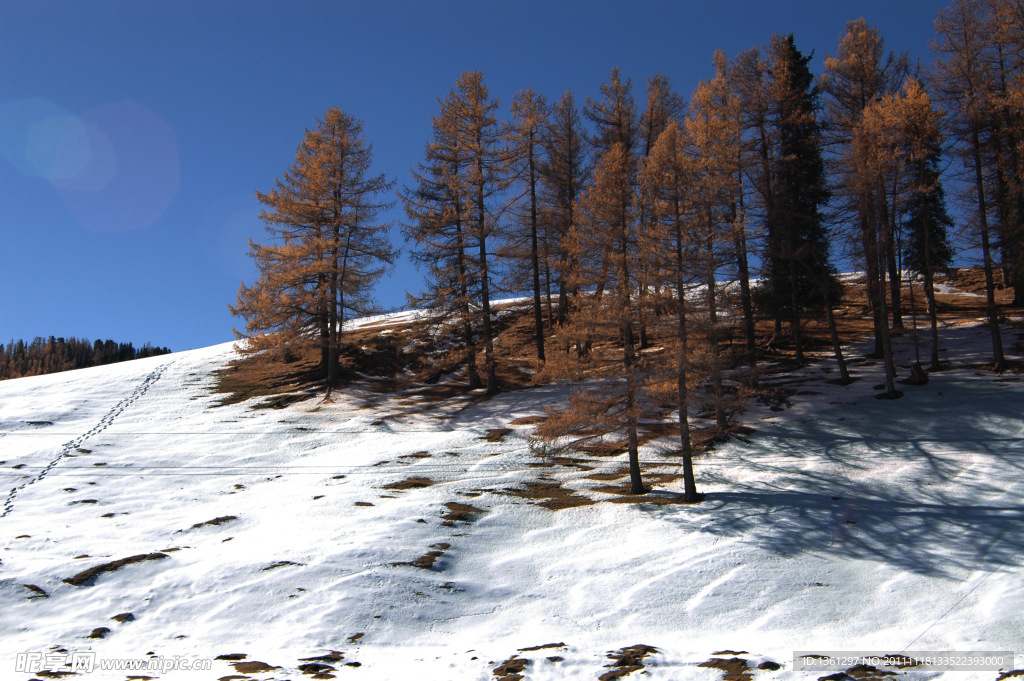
[24, 139]
[132, 177]
[116, 166]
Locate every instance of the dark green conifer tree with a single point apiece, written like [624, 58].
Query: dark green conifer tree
[799, 277]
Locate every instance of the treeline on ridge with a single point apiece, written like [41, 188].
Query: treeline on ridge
[50, 355]
[648, 232]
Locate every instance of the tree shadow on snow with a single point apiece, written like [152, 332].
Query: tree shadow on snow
[932, 485]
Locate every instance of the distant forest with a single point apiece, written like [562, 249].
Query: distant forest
[50, 355]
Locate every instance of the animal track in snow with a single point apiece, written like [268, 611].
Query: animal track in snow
[103, 424]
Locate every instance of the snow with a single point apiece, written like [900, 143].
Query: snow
[846, 523]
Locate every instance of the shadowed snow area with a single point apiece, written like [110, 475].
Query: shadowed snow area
[846, 523]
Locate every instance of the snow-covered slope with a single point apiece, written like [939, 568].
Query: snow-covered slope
[843, 523]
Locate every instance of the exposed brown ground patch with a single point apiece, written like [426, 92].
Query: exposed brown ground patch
[254, 667]
[626, 661]
[427, 560]
[416, 455]
[216, 521]
[282, 563]
[564, 461]
[332, 656]
[542, 647]
[88, 576]
[36, 592]
[265, 376]
[604, 477]
[458, 512]
[866, 671]
[511, 668]
[496, 434]
[317, 669]
[410, 483]
[412, 377]
[735, 668]
[550, 495]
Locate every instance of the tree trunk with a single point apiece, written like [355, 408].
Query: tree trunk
[629, 359]
[485, 293]
[895, 276]
[929, 294]
[990, 289]
[547, 285]
[720, 417]
[794, 311]
[745, 299]
[869, 238]
[890, 365]
[837, 348]
[636, 484]
[325, 341]
[689, 483]
[332, 355]
[467, 327]
[538, 312]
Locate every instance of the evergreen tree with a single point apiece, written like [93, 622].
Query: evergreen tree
[797, 253]
[51, 355]
[1005, 32]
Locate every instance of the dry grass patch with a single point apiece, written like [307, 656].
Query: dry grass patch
[626, 661]
[282, 563]
[416, 455]
[254, 667]
[87, 577]
[510, 668]
[427, 560]
[216, 521]
[735, 669]
[461, 512]
[496, 434]
[565, 461]
[37, 592]
[549, 495]
[267, 376]
[542, 647]
[410, 483]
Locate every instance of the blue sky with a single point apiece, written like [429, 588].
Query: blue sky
[133, 134]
